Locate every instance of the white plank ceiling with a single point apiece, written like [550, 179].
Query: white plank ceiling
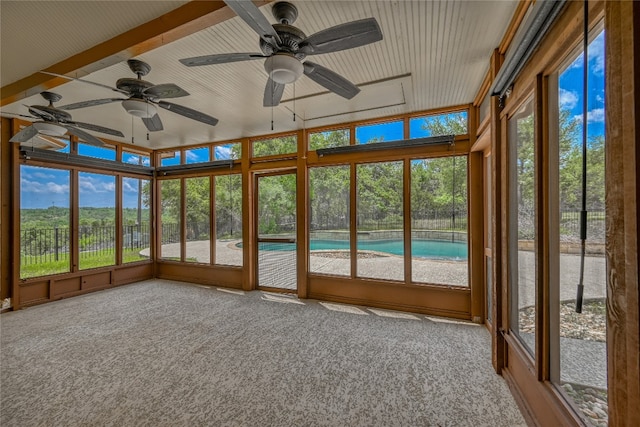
[434, 54]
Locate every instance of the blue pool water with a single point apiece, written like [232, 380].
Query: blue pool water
[435, 249]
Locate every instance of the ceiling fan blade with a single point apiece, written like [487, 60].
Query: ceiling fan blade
[223, 58]
[343, 36]
[250, 14]
[89, 103]
[25, 134]
[85, 81]
[166, 90]
[6, 113]
[188, 112]
[98, 128]
[45, 115]
[49, 142]
[154, 124]
[85, 136]
[272, 93]
[331, 80]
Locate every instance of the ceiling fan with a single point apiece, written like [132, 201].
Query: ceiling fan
[55, 122]
[143, 97]
[285, 47]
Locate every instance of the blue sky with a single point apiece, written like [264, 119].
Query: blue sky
[44, 187]
[570, 88]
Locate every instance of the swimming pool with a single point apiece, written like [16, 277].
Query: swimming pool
[433, 249]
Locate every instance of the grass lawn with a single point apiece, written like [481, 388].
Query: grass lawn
[31, 267]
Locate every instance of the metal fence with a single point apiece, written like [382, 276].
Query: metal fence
[44, 245]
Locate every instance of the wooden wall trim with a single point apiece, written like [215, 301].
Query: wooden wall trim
[6, 181]
[622, 188]
[540, 402]
[435, 300]
[230, 277]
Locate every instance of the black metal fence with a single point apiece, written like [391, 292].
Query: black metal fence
[43, 245]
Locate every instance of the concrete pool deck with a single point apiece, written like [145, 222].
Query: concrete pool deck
[391, 267]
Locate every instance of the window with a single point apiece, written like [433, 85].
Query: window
[170, 158]
[438, 125]
[380, 132]
[45, 218]
[329, 201]
[136, 213]
[198, 213]
[380, 242]
[171, 219]
[96, 220]
[196, 155]
[136, 159]
[439, 221]
[522, 228]
[228, 206]
[580, 340]
[104, 153]
[231, 151]
[275, 146]
[329, 139]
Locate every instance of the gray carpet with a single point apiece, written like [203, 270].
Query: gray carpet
[161, 353]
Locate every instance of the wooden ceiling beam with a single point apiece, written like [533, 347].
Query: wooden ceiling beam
[181, 22]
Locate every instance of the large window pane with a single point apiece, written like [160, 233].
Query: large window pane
[227, 151]
[196, 155]
[522, 231]
[439, 221]
[136, 159]
[170, 158]
[105, 153]
[228, 205]
[198, 213]
[275, 146]
[380, 220]
[329, 139]
[170, 220]
[380, 132]
[329, 200]
[582, 336]
[96, 220]
[44, 221]
[136, 214]
[438, 125]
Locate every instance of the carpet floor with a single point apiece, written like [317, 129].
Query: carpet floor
[163, 353]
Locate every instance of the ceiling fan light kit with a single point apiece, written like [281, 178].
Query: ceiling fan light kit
[51, 129]
[283, 68]
[142, 98]
[285, 47]
[56, 122]
[139, 108]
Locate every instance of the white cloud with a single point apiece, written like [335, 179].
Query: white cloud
[223, 152]
[190, 155]
[52, 187]
[43, 187]
[568, 99]
[128, 185]
[89, 184]
[597, 115]
[135, 160]
[42, 175]
[596, 55]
